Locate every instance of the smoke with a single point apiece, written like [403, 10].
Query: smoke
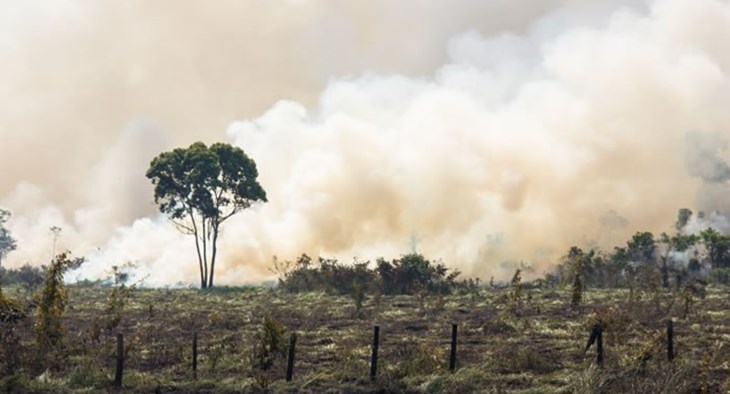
[517, 122]
[703, 157]
[715, 220]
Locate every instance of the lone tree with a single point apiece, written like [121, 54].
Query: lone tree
[7, 242]
[199, 188]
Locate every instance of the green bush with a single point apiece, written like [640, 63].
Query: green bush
[409, 274]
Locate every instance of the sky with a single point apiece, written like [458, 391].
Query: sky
[481, 132]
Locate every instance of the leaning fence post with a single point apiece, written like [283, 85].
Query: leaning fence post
[290, 359]
[374, 358]
[597, 338]
[670, 340]
[452, 358]
[120, 361]
[195, 355]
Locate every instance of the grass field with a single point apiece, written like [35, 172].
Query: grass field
[533, 345]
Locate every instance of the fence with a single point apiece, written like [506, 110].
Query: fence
[595, 337]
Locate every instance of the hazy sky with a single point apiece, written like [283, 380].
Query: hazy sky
[491, 130]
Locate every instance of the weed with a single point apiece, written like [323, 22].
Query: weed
[420, 358]
[269, 348]
[358, 297]
[86, 375]
[591, 380]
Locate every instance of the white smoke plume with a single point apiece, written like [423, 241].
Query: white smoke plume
[703, 157]
[523, 122]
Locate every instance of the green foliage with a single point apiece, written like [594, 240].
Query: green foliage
[646, 261]
[717, 248]
[642, 247]
[721, 275]
[683, 217]
[414, 272]
[200, 187]
[270, 344]
[576, 294]
[87, 375]
[11, 314]
[270, 347]
[326, 275]
[52, 304]
[10, 310]
[410, 274]
[7, 242]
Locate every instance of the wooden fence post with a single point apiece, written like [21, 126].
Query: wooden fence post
[195, 355]
[670, 340]
[290, 359]
[120, 360]
[597, 338]
[374, 358]
[452, 358]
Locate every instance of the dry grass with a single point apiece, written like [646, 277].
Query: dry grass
[541, 350]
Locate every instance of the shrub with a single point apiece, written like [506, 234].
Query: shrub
[408, 275]
[52, 305]
[28, 277]
[269, 348]
[11, 313]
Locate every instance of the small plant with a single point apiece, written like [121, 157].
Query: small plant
[358, 297]
[118, 297]
[270, 346]
[516, 294]
[688, 301]
[651, 346]
[420, 358]
[706, 367]
[577, 290]
[95, 334]
[705, 373]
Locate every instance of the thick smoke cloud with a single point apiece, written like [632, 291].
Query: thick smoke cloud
[703, 157]
[489, 131]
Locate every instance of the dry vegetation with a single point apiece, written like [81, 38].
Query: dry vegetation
[512, 339]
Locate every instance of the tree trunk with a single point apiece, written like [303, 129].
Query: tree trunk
[213, 254]
[203, 282]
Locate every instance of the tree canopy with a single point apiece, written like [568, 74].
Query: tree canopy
[199, 188]
[7, 242]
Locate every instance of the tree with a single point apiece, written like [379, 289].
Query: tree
[642, 247]
[683, 217]
[7, 242]
[717, 247]
[199, 188]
